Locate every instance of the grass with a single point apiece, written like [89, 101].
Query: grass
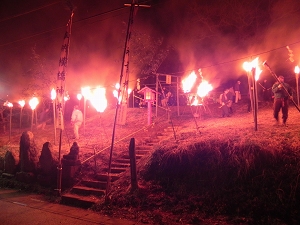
[217, 170]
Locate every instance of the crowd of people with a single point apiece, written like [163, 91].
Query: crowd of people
[279, 92]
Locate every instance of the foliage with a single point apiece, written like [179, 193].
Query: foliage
[230, 179]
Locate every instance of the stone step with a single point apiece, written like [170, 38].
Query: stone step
[170, 129]
[94, 184]
[141, 152]
[103, 177]
[115, 170]
[122, 160]
[120, 165]
[82, 190]
[163, 136]
[136, 157]
[143, 147]
[78, 200]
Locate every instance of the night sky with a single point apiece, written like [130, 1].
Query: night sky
[216, 36]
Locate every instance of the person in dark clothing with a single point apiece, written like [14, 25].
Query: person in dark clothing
[237, 91]
[281, 98]
[223, 100]
[230, 96]
[266, 92]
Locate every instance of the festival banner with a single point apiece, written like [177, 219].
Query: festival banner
[61, 76]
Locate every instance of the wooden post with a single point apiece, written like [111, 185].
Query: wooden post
[149, 113]
[255, 102]
[156, 89]
[134, 183]
[177, 93]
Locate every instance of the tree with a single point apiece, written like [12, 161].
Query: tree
[40, 77]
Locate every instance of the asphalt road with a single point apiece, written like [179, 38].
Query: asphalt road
[30, 209]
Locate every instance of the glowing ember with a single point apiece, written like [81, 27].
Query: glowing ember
[98, 99]
[188, 82]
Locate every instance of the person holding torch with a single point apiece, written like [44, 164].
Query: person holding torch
[281, 98]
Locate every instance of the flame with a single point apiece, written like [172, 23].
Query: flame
[115, 92]
[188, 82]
[86, 92]
[79, 96]
[204, 88]
[8, 104]
[98, 99]
[22, 103]
[53, 94]
[33, 103]
[248, 66]
[297, 69]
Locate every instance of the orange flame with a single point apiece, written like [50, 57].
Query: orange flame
[22, 103]
[33, 103]
[297, 69]
[248, 66]
[188, 82]
[115, 92]
[53, 94]
[98, 99]
[204, 88]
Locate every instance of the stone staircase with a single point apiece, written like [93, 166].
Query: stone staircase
[86, 193]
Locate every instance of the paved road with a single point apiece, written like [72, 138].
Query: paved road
[30, 209]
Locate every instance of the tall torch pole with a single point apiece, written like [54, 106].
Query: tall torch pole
[9, 105]
[53, 97]
[33, 103]
[255, 103]
[21, 103]
[10, 115]
[297, 82]
[86, 93]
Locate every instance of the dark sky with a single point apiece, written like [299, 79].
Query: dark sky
[217, 36]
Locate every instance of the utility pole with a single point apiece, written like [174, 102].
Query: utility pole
[123, 87]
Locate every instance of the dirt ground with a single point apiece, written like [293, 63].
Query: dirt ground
[97, 134]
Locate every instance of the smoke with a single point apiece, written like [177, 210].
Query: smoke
[216, 36]
[220, 35]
